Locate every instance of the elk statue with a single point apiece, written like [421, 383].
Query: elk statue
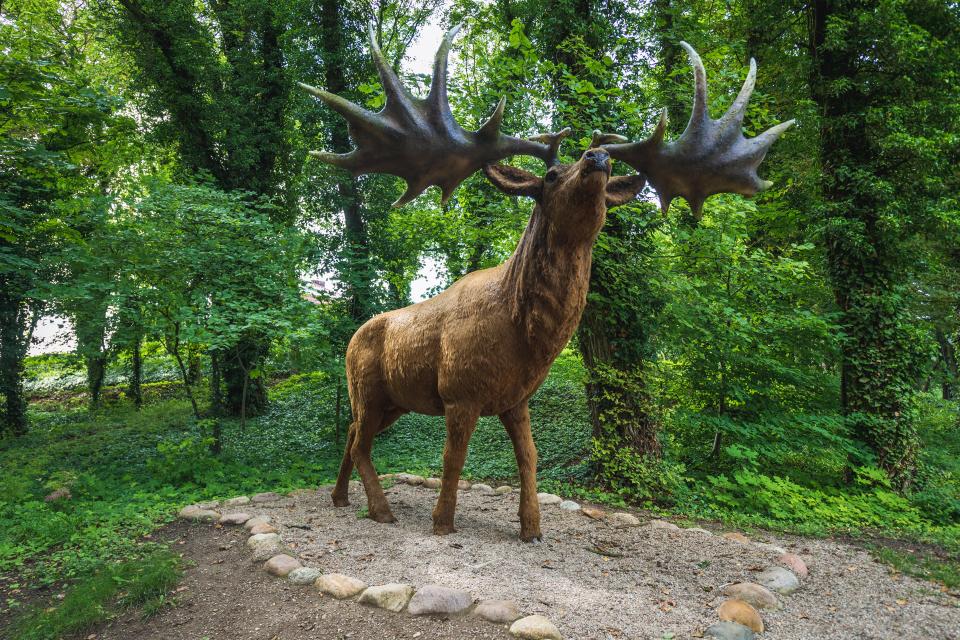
[483, 346]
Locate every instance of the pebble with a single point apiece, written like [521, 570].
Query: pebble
[431, 483]
[434, 599]
[535, 628]
[304, 575]
[262, 538]
[595, 513]
[392, 597]
[753, 594]
[482, 488]
[503, 489]
[663, 524]
[236, 502]
[622, 520]
[263, 527]
[234, 518]
[779, 579]
[269, 496]
[548, 498]
[737, 537]
[742, 613]
[252, 522]
[497, 611]
[339, 586]
[281, 565]
[569, 505]
[727, 630]
[795, 563]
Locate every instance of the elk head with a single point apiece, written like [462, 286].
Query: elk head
[420, 141]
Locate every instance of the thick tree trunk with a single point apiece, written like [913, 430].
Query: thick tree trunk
[134, 389]
[948, 357]
[358, 271]
[875, 380]
[96, 372]
[14, 417]
[244, 397]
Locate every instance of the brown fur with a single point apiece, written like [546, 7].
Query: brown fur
[484, 346]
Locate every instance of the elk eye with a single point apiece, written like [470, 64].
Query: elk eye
[551, 176]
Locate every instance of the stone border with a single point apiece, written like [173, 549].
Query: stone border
[739, 616]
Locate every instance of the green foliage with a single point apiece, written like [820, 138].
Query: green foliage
[144, 583]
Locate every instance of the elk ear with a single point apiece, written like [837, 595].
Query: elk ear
[623, 189]
[514, 181]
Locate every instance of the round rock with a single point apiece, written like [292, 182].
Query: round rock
[497, 611]
[252, 522]
[339, 586]
[464, 485]
[431, 483]
[262, 538]
[742, 613]
[569, 505]
[392, 597]
[753, 594]
[263, 527]
[234, 518]
[236, 502]
[503, 489]
[795, 563]
[268, 496]
[482, 488]
[209, 505]
[699, 530]
[304, 575]
[663, 524]
[727, 630]
[548, 498]
[202, 515]
[281, 565]
[187, 510]
[622, 520]
[593, 512]
[414, 480]
[265, 551]
[434, 599]
[535, 628]
[779, 579]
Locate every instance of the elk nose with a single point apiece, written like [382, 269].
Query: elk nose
[599, 158]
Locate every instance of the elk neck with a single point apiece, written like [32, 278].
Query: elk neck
[546, 280]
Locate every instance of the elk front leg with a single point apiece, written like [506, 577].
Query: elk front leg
[460, 425]
[517, 423]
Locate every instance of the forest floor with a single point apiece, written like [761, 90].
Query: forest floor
[592, 579]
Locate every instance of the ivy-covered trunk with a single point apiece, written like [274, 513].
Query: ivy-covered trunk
[863, 253]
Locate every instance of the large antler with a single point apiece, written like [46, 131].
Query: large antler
[709, 157]
[419, 140]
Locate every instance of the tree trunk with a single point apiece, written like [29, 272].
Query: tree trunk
[96, 372]
[216, 385]
[136, 371]
[13, 314]
[356, 264]
[244, 396]
[948, 357]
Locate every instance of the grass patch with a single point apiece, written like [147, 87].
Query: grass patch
[143, 584]
[920, 563]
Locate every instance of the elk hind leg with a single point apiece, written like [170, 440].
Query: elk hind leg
[339, 494]
[368, 426]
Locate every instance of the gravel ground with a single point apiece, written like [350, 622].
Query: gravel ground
[644, 582]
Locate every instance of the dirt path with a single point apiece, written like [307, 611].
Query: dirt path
[224, 596]
[592, 580]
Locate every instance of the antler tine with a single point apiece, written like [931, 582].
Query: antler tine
[710, 156]
[420, 140]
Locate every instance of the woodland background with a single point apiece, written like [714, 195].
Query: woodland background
[787, 362]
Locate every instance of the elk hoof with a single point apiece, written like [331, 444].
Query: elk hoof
[340, 501]
[532, 539]
[443, 529]
[385, 518]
